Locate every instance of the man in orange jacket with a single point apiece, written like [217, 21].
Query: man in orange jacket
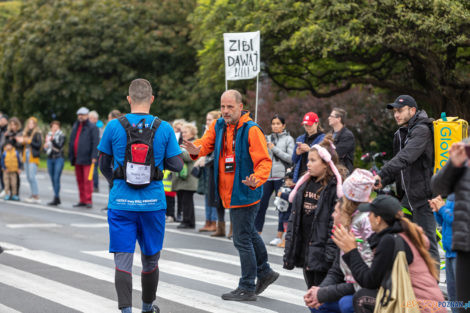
[243, 163]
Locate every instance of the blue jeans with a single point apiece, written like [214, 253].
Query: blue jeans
[211, 211]
[344, 305]
[250, 246]
[268, 188]
[55, 167]
[31, 170]
[450, 280]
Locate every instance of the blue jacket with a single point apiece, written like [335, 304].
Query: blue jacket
[241, 194]
[296, 159]
[445, 218]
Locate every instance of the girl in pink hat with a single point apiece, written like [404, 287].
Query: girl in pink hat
[335, 293]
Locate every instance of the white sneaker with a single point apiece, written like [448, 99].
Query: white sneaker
[2, 194]
[170, 219]
[275, 241]
[33, 200]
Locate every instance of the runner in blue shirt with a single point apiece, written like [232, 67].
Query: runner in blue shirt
[137, 213]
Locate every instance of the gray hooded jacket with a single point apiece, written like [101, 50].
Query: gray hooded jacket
[281, 153]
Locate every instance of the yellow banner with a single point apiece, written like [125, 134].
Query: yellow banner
[445, 134]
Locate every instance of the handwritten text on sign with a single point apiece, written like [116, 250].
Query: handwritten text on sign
[242, 55]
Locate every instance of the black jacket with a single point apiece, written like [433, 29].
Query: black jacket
[456, 179]
[212, 199]
[322, 250]
[383, 245]
[345, 145]
[87, 144]
[36, 144]
[412, 165]
[333, 287]
[3, 131]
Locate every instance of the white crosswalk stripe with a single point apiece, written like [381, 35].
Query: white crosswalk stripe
[222, 279]
[5, 309]
[84, 301]
[231, 259]
[54, 291]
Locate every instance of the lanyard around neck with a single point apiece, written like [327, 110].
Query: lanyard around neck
[234, 140]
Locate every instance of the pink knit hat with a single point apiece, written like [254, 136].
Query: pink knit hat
[358, 186]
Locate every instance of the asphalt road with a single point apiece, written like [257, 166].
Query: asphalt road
[56, 260]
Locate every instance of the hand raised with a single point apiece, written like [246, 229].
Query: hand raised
[190, 147]
[251, 181]
[344, 238]
[457, 154]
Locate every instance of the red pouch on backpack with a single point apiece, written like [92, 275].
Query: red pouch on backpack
[139, 152]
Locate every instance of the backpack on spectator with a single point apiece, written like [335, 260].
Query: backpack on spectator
[139, 168]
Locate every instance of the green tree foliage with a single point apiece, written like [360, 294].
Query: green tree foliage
[8, 9]
[417, 47]
[58, 55]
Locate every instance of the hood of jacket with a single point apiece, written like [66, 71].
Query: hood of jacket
[421, 117]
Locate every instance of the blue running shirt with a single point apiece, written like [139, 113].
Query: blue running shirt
[113, 142]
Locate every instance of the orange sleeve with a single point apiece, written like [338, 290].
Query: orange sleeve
[206, 142]
[262, 163]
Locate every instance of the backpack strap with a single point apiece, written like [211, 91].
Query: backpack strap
[124, 122]
[155, 124]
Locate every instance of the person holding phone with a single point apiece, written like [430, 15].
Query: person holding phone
[313, 135]
[454, 177]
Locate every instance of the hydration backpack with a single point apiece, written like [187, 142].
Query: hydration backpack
[139, 168]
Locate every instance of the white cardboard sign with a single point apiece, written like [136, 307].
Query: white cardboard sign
[242, 55]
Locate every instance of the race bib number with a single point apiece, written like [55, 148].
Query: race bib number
[138, 174]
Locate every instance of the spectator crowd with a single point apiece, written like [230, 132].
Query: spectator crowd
[333, 221]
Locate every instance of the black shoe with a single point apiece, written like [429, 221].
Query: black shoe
[264, 282]
[185, 226]
[155, 309]
[1, 249]
[80, 204]
[89, 205]
[56, 201]
[239, 295]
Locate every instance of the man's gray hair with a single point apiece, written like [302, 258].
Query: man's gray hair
[93, 114]
[237, 96]
[140, 90]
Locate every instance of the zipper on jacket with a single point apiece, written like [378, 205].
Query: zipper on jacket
[402, 177]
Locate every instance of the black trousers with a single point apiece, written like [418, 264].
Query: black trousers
[170, 206]
[313, 278]
[220, 212]
[462, 278]
[186, 204]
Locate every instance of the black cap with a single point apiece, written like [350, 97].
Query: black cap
[384, 206]
[401, 101]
